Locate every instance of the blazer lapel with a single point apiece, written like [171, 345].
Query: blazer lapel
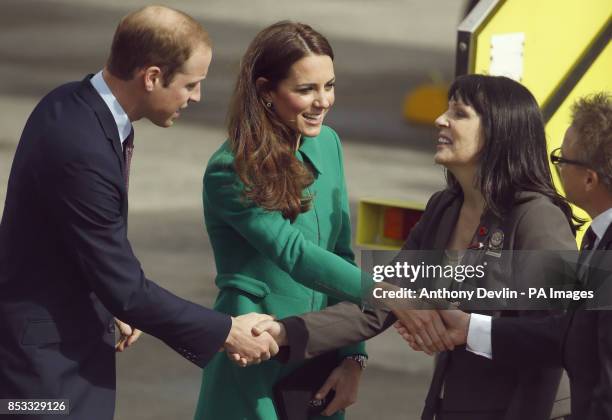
[447, 219]
[107, 122]
[606, 241]
[480, 243]
[598, 266]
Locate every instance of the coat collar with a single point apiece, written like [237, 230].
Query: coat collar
[601, 224]
[606, 240]
[448, 219]
[599, 254]
[598, 275]
[449, 215]
[310, 149]
[105, 117]
[122, 120]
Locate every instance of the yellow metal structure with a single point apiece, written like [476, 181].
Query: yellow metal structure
[373, 222]
[557, 32]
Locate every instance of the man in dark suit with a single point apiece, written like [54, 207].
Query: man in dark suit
[66, 265]
[581, 339]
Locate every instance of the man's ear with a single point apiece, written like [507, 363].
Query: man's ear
[262, 85]
[592, 180]
[152, 76]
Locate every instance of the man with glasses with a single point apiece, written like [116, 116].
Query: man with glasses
[557, 159]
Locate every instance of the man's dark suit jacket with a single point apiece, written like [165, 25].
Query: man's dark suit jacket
[67, 267]
[581, 341]
[471, 383]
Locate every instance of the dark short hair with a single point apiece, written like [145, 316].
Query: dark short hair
[143, 38]
[592, 121]
[514, 157]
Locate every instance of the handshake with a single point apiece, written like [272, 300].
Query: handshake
[432, 331]
[254, 338]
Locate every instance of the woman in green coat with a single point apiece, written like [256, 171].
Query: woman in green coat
[277, 215]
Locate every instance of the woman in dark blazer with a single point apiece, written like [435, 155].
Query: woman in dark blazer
[499, 198]
[277, 214]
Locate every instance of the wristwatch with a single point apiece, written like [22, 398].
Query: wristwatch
[361, 359]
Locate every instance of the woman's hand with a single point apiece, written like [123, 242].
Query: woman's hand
[345, 381]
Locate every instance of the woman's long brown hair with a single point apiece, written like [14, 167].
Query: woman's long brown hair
[263, 146]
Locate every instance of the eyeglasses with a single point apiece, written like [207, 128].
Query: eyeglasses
[556, 159]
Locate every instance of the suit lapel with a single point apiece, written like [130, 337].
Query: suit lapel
[598, 262]
[447, 219]
[440, 228]
[105, 117]
[476, 254]
[109, 126]
[597, 266]
[606, 241]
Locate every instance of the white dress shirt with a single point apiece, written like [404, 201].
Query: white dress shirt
[600, 225]
[124, 126]
[479, 330]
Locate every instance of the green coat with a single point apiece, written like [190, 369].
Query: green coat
[267, 264]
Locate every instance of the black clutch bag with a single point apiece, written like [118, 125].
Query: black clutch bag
[294, 394]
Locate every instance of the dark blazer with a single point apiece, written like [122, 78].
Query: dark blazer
[472, 383]
[580, 340]
[67, 267]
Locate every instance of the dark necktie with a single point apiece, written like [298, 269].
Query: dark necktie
[586, 248]
[128, 150]
[589, 240]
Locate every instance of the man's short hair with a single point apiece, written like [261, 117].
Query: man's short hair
[592, 121]
[155, 36]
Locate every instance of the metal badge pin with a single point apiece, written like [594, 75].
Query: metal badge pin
[497, 239]
[496, 243]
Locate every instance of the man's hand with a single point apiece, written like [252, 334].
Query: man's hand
[243, 347]
[345, 381]
[457, 324]
[128, 336]
[426, 329]
[274, 328]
